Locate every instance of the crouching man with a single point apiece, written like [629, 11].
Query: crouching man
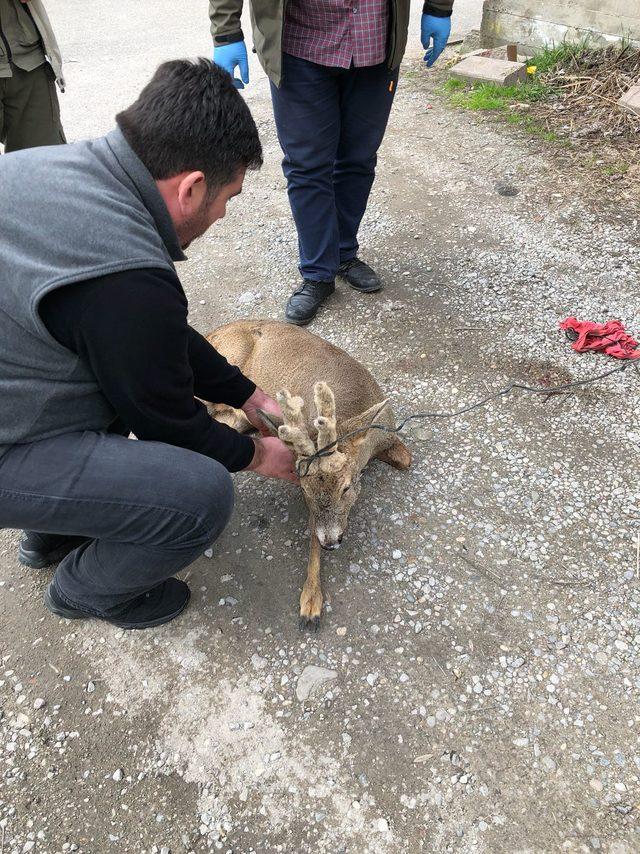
[96, 344]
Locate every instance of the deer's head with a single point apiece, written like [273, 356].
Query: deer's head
[330, 483]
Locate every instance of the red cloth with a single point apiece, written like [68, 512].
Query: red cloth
[337, 32]
[609, 338]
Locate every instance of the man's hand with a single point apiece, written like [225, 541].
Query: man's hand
[273, 459]
[230, 57]
[438, 30]
[260, 400]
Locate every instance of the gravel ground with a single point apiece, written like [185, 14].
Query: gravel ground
[474, 686]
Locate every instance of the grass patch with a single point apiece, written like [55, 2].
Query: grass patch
[488, 96]
[562, 54]
[616, 169]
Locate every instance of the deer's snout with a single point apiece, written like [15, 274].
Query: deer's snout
[329, 538]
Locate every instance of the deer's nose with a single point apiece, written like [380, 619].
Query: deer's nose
[331, 547]
[330, 539]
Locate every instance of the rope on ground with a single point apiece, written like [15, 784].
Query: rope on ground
[304, 463]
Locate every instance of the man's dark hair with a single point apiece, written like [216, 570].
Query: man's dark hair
[190, 117]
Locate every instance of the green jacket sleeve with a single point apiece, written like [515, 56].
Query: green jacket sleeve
[439, 8]
[225, 20]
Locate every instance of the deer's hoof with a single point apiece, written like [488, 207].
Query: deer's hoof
[309, 624]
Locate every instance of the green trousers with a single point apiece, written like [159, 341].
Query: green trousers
[29, 109]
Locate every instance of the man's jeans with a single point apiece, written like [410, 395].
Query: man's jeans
[149, 510]
[330, 124]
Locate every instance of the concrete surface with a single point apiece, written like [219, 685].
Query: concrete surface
[631, 99]
[483, 617]
[534, 23]
[500, 72]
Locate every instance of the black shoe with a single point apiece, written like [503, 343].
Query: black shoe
[40, 550]
[304, 302]
[360, 276]
[159, 605]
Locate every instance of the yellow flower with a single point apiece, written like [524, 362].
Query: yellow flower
[531, 69]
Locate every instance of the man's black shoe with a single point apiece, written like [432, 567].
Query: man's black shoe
[360, 276]
[159, 605]
[304, 302]
[40, 550]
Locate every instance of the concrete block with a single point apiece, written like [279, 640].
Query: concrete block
[533, 25]
[631, 100]
[489, 70]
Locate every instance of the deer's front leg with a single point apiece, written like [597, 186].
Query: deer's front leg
[311, 596]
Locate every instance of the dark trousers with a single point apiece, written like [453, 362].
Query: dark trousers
[149, 510]
[29, 109]
[330, 124]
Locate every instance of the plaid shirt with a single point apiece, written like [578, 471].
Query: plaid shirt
[337, 32]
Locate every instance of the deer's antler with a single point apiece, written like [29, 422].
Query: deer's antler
[325, 423]
[294, 430]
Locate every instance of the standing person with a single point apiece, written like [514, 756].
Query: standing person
[30, 65]
[96, 343]
[333, 67]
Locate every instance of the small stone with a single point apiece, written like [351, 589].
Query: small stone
[372, 678]
[91, 687]
[341, 631]
[311, 679]
[258, 662]
[595, 784]
[208, 552]
[382, 825]
[117, 775]
[39, 703]
[506, 190]
[397, 554]
[21, 721]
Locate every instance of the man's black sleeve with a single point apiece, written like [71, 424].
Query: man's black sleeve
[132, 329]
[214, 378]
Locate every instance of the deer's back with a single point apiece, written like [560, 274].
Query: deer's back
[278, 355]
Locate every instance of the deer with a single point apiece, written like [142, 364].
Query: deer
[304, 373]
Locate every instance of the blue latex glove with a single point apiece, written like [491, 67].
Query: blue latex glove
[230, 57]
[438, 29]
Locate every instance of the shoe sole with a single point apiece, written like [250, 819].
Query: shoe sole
[299, 322]
[375, 290]
[69, 613]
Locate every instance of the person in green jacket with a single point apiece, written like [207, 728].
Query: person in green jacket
[30, 64]
[333, 67]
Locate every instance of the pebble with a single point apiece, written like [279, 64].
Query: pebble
[117, 775]
[39, 703]
[311, 679]
[382, 825]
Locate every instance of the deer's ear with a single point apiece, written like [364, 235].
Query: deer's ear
[271, 422]
[358, 422]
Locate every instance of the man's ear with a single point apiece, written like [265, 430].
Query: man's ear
[191, 191]
[271, 422]
[358, 422]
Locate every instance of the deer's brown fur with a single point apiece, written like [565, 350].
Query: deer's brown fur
[324, 393]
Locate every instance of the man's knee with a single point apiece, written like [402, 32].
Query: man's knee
[215, 500]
